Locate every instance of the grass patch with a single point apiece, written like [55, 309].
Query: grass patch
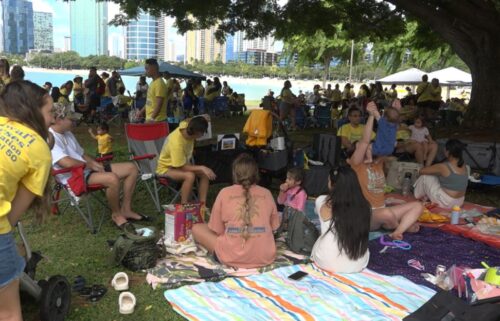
[70, 250]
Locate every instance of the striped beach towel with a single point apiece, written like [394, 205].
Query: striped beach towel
[318, 296]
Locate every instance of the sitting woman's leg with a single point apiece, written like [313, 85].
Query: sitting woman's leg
[428, 187]
[187, 179]
[432, 149]
[205, 236]
[415, 148]
[401, 218]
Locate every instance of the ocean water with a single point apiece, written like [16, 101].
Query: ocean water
[253, 89]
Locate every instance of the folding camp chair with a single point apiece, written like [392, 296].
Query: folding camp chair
[63, 198]
[145, 142]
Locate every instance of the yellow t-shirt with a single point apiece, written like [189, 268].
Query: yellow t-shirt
[106, 89]
[353, 134]
[156, 89]
[170, 89]
[424, 92]
[176, 152]
[63, 99]
[104, 143]
[435, 93]
[24, 159]
[198, 90]
[287, 95]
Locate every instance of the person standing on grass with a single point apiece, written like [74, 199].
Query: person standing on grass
[242, 221]
[175, 156]
[155, 109]
[25, 115]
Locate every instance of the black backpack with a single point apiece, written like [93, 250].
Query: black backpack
[302, 233]
[136, 252]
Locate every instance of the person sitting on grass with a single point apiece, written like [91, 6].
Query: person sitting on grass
[242, 221]
[67, 152]
[445, 183]
[291, 192]
[104, 140]
[345, 217]
[174, 160]
[371, 177]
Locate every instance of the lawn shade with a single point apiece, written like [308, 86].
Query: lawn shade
[452, 76]
[174, 71]
[412, 76]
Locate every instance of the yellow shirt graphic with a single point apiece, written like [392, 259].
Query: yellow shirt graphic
[155, 90]
[104, 143]
[24, 159]
[176, 151]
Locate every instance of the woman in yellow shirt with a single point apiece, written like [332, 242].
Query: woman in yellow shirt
[25, 161]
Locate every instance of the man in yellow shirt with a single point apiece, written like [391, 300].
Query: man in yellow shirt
[156, 100]
[336, 96]
[176, 153]
[352, 131]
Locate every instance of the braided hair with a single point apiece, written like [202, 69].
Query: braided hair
[246, 174]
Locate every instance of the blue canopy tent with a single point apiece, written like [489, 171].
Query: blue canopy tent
[174, 71]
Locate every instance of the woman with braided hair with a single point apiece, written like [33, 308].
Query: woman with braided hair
[244, 217]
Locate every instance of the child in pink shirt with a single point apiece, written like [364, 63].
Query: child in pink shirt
[291, 192]
[242, 220]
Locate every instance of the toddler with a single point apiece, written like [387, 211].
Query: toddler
[385, 140]
[291, 192]
[104, 140]
[421, 135]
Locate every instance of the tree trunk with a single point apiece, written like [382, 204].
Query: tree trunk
[484, 105]
[326, 69]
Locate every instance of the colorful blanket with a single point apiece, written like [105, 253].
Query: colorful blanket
[318, 296]
[177, 270]
[430, 246]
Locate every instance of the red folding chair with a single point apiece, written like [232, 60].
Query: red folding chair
[63, 197]
[145, 142]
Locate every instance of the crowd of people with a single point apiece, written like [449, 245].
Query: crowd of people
[36, 135]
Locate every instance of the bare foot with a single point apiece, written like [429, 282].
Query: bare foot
[119, 219]
[396, 236]
[131, 214]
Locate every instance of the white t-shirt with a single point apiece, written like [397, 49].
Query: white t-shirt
[326, 253]
[418, 134]
[65, 145]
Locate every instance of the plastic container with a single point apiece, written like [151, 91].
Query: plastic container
[406, 185]
[455, 215]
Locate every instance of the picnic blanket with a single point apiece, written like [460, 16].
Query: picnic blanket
[319, 296]
[431, 246]
[177, 270]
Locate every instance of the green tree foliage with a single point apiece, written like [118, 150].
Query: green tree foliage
[72, 60]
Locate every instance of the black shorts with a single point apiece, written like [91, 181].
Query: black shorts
[87, 173]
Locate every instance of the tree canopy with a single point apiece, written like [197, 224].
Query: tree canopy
[469, 27]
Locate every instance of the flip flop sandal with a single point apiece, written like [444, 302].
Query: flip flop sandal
[79, 283]
[94, 293]
[144, 218]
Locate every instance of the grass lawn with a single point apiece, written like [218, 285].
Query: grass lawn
[70, 250]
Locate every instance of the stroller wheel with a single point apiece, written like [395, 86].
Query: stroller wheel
[56, 299]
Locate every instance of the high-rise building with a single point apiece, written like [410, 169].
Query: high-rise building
[89, 27]
[142, 37]
[67, 43]
[167, 38]
[17, 19]
[43, 31]
[202, 45]
[230, 56]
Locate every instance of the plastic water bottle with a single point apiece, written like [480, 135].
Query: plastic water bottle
[455, 215]
[406, 186]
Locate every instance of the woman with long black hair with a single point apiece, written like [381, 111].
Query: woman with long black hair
[345, 223]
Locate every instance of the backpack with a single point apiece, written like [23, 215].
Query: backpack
[302, 233]
[135, 251]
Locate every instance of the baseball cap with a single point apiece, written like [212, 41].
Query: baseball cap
[65, 111]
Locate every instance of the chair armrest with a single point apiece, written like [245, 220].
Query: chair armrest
[142, 157]
[104, 158]
[55, 172]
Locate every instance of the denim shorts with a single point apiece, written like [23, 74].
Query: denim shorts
[11, 263]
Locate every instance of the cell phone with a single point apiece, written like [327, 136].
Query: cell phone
[297, 275]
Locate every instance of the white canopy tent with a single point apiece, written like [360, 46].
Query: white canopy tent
[452, 76]
[412, 76]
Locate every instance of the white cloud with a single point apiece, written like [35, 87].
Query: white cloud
[42, 6]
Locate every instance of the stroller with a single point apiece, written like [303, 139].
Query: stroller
[53, 295]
